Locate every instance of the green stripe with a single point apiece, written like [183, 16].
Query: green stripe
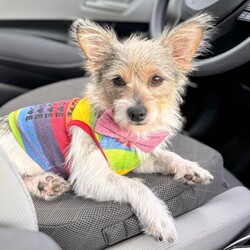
[13, 120]
[122, 159]
[98, 136]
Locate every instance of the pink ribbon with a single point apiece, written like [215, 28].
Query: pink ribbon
[106, 125]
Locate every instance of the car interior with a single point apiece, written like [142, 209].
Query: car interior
[39, 63]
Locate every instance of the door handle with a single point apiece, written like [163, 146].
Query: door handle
[108, 5]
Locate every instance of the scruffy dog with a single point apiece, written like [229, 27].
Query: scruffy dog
[130, 112]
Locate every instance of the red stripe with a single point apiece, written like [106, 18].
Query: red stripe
[89, 131]
[59, 127]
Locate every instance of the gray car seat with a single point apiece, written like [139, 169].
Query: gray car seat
[78, 223]
[18, 221]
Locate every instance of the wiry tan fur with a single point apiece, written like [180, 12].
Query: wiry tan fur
[136, 61]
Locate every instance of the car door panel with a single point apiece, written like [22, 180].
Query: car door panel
[99, 10]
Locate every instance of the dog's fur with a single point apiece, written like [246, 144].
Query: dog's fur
[136, 61]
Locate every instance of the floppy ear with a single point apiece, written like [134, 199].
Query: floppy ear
[188, 40]
[94, 41]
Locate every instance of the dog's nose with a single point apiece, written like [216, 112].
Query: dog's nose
[137, 114]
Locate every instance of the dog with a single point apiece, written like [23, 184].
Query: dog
[136, 89]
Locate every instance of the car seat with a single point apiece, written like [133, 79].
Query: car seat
[207, 217]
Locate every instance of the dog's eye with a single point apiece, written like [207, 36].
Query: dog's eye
[118, 81]
[156, 80]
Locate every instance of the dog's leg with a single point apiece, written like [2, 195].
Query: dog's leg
[91, 177]
[170, 163]
[39, 183]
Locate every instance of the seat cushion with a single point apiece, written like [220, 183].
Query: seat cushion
[78, 223]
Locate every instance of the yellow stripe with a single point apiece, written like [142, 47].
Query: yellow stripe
[123, 172]
[82, 111]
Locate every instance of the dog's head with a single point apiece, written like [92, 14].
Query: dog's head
[140, 79]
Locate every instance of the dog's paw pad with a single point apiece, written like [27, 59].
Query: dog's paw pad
[52, 186]
[192, 173]
[198, 175]
[204, 177]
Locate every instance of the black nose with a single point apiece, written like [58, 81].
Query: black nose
[137, 114]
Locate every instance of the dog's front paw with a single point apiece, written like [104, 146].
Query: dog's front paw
[191, 173]
[51, 186]
[162, 228]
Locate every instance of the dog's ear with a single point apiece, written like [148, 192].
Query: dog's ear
[188, 40]
[94, 41]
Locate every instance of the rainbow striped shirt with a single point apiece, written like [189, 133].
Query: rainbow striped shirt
[42, 131]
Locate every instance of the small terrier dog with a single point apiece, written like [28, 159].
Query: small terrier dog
[136, 88]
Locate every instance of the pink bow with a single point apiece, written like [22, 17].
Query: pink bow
[106, 125]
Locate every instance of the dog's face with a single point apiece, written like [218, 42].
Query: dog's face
[141, 80]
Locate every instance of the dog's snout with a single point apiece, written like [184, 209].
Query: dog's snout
[137, 114]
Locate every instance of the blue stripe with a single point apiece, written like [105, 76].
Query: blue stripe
[29, 137]
[47, 139]
[111, 143]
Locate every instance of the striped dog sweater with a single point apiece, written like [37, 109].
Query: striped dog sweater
[43, 132]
